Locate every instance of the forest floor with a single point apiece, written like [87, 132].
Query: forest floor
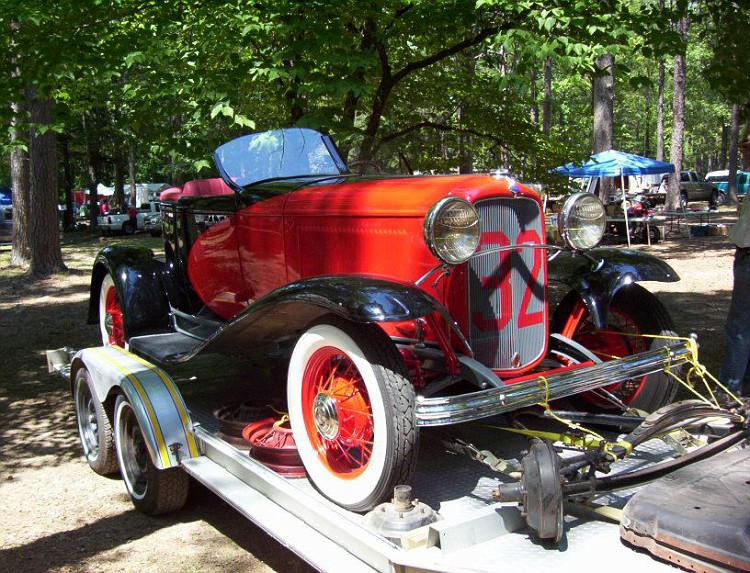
[57, 515]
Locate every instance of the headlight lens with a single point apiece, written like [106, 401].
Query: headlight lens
[451, 230]
[582, 221]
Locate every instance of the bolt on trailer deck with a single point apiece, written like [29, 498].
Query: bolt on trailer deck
[448, 518]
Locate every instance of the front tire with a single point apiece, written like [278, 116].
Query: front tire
[152, 491]
[111, 321]
[94, 426]
[634, 311]
[351, 408]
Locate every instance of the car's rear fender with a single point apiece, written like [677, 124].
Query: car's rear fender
[280, 316]
[602, 272]
[160, 409]
[138, 278]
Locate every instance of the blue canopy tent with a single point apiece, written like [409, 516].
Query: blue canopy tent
[614, 163]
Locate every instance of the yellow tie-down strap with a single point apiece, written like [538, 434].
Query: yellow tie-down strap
[158, 404]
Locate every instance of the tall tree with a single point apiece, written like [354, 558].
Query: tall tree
[678, 112]
[603, 98]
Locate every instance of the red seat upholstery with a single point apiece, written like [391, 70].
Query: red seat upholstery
[170, 194]
[206, 188]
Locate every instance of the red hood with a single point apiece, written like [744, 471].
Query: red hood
[399, 197]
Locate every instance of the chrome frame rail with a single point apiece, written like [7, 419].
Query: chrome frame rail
[440, 411]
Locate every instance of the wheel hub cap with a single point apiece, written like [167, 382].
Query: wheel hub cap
[326, 416]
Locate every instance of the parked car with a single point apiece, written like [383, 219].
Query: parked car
[152, 222]
[720, 179]
[121, 222]
[387, 304]
[693, 187]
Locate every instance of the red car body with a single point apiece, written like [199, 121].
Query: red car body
[373, 227]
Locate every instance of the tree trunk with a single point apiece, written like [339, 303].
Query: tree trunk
[731, 198]
[131, 174]
[20, 255]
[534, 112]
[68, 215]
[603, 104]
[46, 256]
[118, 197]
[92, 153]
[678, 116]
[660, 114]
[724, 145]
[547, 101]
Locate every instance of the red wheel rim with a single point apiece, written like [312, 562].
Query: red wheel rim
[619, 338]
[337, 413]
[113, 318]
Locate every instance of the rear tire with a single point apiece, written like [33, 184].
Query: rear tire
[128, 228]
[94, 426]
[351, 408]
[633, 311]
[152, 491]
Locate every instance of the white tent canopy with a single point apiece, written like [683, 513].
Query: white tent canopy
[144, 192]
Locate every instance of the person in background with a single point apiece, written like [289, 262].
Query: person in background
[133, 214]
[104, 207]
[735, 369]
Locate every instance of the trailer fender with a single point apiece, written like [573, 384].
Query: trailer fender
[282, 314]
[598, 276]
[137, 276]
[159, 407]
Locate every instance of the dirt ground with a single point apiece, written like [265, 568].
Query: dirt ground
[57, 515]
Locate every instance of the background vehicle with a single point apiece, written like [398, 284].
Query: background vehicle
[386, 304]
[694, 188]
[121, 223]
[720, 179]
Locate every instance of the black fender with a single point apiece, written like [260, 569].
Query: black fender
[138, 278]
[282, 315]
[602, 272]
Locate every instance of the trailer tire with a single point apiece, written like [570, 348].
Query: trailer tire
[94, 426]
[351, 409]
[153, 491]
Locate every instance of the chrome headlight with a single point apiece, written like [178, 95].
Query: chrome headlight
[451, 230]
[581, 221]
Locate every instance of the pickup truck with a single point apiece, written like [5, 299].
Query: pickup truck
[694, 188]
[720, 179]
[120, 223]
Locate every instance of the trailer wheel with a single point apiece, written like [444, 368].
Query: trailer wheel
[634, 311]
[351, 408]
[94, 426]
[111, 323]
[152, 491]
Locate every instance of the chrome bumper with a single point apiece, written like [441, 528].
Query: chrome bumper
[441, 411]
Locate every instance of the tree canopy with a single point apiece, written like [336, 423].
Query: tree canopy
[440, 85]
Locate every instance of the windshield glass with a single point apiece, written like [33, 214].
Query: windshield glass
[278, 154]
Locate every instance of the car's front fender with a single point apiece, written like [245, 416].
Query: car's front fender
[282, 314]
[598, 276]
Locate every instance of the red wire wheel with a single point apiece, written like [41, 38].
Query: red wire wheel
[272, 444]
[111, 321]
[351, 408]
[634, 312]
[337, 411]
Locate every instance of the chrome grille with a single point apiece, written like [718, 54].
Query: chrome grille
[507, 294]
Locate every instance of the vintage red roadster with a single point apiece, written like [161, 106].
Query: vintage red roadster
[377, 307]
